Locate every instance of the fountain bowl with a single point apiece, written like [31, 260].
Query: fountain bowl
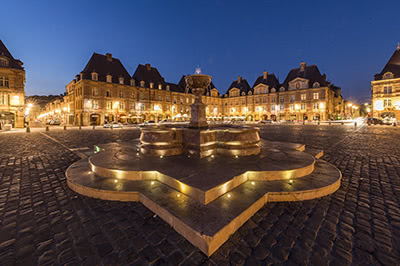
[198, 81]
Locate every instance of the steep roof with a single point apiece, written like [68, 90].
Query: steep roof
[393, 65]
[14, 63]
[310, 73]
[182, 86]
[240, 84]
[148, 74]
[103, 66]
[271, 81]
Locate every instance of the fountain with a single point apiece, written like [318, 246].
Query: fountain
[204, 181]
[197, 139]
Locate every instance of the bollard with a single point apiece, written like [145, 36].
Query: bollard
[28, 129]
[304, 122]
[112, 127]
[342, 123]
[94, 127]
[47, 128]
[65, 127]
[394, 124]
[318, 123]
[80, 127]
[355, 124]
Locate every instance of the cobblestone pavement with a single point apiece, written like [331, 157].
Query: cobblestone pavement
[43, 222]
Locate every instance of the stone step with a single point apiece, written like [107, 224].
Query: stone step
[203, 179]
[205, 226]
[314, 152]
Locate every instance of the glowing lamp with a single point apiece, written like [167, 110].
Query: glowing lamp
[378, 105]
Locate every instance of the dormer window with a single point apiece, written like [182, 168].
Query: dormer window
[109, 78]
[3, 62]
[167, 87]
[132, 82]
[282, 89]
[151, 85]
[297, 85]
[388, 75]
[160, 86]
[316, 85]
[142, 83]
[243, 94]
[273, 90]
[95, 76]
[121, 80]
[250, 93]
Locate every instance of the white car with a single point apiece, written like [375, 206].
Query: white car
[113, 125]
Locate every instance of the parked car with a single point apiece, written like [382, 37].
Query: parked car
[55, 122]
[374, 121]
[113, 125]
[389, 120]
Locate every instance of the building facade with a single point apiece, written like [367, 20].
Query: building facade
[12, 89]
[305, 95]
[385, 89]
[104, 92]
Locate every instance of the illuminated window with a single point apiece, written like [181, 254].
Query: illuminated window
[303, 106]
[109, 78]
[108, 93]
[3, 99]
[95, 104]
[121, 94]
[387, 103]
[121, 106]
[291, 107]
[315, 95]
[303, 96]
[109, 105]
[387, 89]
[95, 92]
[94, 76]
[291, 99]
[121, 80]
[316, 106]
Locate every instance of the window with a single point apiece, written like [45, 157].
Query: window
[133, 106]
[291, 99]
[316, 106]
[281, 107]
[303, 106]
[94, 76]
[109, 78]
[167, 98]
[303, 96]
[121, 80]
[4, 82]
[273, 107]
[95, 92]
[121, 94]
[109, 105]
[291, 107]
[387, 90]
[108, 93]
[315, 95]
[3, 99]
[297, 85]
[95, 104]
[121, 105]
[3, 62]
[281, 100]
[151, 85]
[387, 103]
[142, 83]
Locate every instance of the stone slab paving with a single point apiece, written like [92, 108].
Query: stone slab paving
[43, 222]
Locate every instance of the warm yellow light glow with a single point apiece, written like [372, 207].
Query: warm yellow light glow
[290, 181]
[229, 195]
[296, 106]
[350, 104]
[30, 105]
[152, 182]
[115, 180]
[212, 156]
[161, 156]
[322, 106]
[233, 110]
[65, 109]
[378, 105]
[368, 109]
[116, 104]
[178, 195]
[15, 100]
[253, 183]
[246, 109]
[236, 156]
[157, 108]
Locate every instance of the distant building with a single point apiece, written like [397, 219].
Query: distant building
[385, 89]
[105, 92]
[305, 94]
[12, 89]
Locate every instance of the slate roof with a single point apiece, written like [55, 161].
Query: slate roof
[182, 86]
[102, 66]
[148, 74]
[271, 81]
[393, 66]
[14, 63]
[242, 85]
[310, 72]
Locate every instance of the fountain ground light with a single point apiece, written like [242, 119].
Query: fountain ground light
[205, 182]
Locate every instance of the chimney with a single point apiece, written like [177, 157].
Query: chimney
[77, 78]
[398, 46]
[265, 74]
[148, 66]
[302, 66]
[109, 57]
[239, 79]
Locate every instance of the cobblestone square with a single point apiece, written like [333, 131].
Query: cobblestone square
[43, 222]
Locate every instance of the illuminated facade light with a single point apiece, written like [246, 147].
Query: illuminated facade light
[229, 195]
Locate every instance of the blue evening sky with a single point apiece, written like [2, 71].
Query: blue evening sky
[350, 41]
